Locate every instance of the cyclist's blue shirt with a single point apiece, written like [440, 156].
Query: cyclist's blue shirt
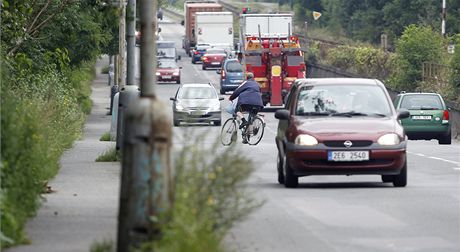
[248, 93]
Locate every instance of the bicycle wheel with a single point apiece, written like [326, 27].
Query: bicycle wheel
[255, 131]
[229, 131]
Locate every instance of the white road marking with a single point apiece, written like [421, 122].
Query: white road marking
[445, 160]
[457, 168]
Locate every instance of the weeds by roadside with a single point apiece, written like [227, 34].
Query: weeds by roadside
[105, 137]
[109, 155]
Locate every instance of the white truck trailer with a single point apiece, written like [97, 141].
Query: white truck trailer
[214, 28]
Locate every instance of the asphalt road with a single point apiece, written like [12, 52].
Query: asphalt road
[326, 213]
[339, 213]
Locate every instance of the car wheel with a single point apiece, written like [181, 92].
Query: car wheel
[290, 180]
[203, 67]
[222, 91]
[447, 139]
[178, 82]
[279, 167]
[400, 180]
[193, 61]
[217, 123]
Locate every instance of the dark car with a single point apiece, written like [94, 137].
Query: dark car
[198, 52]
[213, 57]
[196, 103]
[167, 70]
[429, 116]
[231, 75]
[340, 126]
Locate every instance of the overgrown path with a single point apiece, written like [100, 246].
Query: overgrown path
[84, 205]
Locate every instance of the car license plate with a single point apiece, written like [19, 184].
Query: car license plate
[215, 63]
[425, 117]
[198, 112]
[166, 76]
[348, 156]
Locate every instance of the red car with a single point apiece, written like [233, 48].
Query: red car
[167, 70]
[213, 57]
[340, 126]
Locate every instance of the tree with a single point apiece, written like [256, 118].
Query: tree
[417, 44]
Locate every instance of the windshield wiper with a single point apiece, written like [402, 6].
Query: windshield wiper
[315, 114]
[349, 114]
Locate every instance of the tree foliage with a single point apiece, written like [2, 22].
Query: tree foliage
[48, 48]
[417, 44]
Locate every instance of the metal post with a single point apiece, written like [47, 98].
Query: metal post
[122, 45]
[131, 39]
[443, 22]
[147, 182]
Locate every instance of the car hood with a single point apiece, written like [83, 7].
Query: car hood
[328, 128]
[197, 103]
[167, 70]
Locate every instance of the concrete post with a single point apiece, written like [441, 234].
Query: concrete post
[148, 178]
[131, 42]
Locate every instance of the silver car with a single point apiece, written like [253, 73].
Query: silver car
[197, 103]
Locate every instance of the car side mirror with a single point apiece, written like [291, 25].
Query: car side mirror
[282, 114]
[221, 98]
[159, 29]
[218, 71]
[172, 98]
[182, 22]
[402, 114]
[180, 67]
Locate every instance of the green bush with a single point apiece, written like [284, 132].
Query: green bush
[41, 117]
[418, 44]
[210, 197]
[455, 76]
[364, 60]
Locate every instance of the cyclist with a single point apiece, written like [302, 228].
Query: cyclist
[249, 99]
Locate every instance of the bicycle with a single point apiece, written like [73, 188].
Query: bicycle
[251, 133]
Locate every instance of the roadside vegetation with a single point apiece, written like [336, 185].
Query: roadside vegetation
[47, 53]
[109, 155]
[105, 137]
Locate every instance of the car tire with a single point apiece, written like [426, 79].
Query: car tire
[447, 139]
[400, 180]
[193, 61]
[290, 180]
[279, 166]
[203, 67]
[222, 91]
[217, 123]
[387, 178]
[178, 82]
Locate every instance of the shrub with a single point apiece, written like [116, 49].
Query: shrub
[109, 155]
[210, 197]
[41, 117]
[417, 44]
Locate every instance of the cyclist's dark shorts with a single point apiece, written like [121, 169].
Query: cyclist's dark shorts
[249, 108]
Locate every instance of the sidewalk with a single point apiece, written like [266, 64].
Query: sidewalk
[84, 207]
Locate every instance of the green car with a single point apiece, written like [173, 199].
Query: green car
[429, 116]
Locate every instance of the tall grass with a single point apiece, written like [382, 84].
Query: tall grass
[42, 113]
[211, 195]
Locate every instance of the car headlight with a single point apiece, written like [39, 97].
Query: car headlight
[179, 107]
[157, 73]
[176, 73]
[306, 140]
[389, 139]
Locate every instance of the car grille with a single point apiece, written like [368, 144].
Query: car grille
[356, 143]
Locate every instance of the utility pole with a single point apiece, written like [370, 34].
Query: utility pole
[131, 39]
[122, 46]
[443, 22]
[148, 178]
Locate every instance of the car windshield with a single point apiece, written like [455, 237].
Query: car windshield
[197, 93]
[343, 100]
[202, 48]
[215, 51]
[166, 52]
[167, 64]
[234, 67]
[419, 102]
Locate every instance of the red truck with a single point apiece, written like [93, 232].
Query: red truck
[272, 54]
[190, 8]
